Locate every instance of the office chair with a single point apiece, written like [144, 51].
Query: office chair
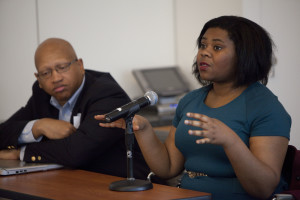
[291, 172]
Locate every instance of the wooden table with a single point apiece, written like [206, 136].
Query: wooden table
[79, 184]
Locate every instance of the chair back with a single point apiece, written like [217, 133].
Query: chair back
[291, 172]
[291, 168]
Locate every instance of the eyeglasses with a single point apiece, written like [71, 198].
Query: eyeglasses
[61, 68]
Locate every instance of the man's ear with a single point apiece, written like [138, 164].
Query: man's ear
[80, 61]
[37, 78]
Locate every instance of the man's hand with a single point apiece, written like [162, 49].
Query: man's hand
[52, 128]
[11, 154]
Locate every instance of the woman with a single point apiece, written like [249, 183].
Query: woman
[232, 134]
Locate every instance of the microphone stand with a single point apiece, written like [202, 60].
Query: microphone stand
[130, 184]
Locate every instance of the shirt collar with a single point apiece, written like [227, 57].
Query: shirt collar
[71, 102]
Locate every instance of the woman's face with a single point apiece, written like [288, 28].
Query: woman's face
[216, 58]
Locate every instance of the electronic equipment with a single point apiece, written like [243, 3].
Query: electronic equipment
[166, 81]
[169, 84]
[11, 167]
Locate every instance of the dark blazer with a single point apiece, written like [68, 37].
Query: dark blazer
[91, 147]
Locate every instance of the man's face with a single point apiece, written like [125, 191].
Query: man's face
[63, 84]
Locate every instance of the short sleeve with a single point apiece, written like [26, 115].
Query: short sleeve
[266, 115]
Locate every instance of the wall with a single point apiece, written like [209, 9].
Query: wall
[17, 44]
[115, 36]
[282, 21]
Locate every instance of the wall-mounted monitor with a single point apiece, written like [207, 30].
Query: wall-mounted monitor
[165, 81]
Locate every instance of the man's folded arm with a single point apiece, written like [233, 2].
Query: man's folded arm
[90, 141]
[27, 135]
[11, 130]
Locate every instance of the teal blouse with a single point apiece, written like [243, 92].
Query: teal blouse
[256, 112]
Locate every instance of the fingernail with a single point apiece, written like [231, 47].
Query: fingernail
[188, 114]
[186, 121]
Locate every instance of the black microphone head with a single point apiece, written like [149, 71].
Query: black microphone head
[152, 96]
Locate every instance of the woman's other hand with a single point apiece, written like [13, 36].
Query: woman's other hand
[212, 131]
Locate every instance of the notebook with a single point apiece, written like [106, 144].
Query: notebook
[10, 167]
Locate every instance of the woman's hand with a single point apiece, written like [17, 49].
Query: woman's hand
[213, 131]
[138, 123]
[120, 123]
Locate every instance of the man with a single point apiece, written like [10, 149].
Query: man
[57, 125]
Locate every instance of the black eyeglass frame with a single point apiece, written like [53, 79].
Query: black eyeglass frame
[61, 68]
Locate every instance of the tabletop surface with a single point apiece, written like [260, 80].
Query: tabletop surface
[79, 184]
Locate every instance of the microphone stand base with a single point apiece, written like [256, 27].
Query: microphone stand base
[130, 185]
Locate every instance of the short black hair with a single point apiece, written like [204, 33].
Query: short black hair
[253, 46]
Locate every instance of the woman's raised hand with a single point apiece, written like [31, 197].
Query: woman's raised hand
[211, 130]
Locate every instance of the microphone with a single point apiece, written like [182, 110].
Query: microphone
[150, 98]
